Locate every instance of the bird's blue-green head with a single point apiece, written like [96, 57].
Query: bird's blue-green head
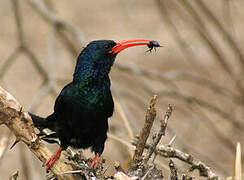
[97, 58]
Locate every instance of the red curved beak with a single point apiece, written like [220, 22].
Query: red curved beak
[121, 45]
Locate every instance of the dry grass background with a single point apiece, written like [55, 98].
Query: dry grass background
[199, 70]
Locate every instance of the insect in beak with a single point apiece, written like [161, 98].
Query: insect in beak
[153, 45]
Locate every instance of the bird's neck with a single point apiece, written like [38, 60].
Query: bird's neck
[88, 72]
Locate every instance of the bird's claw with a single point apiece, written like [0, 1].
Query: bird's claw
[94, 161]
[50, 162]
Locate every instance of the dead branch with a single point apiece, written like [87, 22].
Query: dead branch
[170, 152]
[19, 122]
[150, 116]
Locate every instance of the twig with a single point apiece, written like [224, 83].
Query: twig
[150, 116]
[14, 176]
[170, 152]
[172, 140]
[173, 170]
[161, 133]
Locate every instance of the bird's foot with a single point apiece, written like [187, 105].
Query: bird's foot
[94, 161]
[50, 162]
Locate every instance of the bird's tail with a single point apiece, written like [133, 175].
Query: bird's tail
[40, 122]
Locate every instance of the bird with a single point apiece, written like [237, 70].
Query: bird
[82, 109]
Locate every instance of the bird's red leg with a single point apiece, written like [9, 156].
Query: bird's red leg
[94, 161]
[50, 162]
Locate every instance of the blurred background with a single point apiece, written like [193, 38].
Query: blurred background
[198, 70]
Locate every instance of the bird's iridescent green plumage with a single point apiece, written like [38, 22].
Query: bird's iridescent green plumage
[82, 109]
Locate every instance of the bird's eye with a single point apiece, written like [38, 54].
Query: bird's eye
[108, 46]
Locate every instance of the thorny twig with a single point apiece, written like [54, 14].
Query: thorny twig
[20, 123]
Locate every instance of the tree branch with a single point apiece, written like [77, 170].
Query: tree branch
[19, 122]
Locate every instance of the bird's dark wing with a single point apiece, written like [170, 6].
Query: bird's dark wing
[98, 99]
[81, 117]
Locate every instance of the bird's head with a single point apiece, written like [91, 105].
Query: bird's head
[98, 56]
